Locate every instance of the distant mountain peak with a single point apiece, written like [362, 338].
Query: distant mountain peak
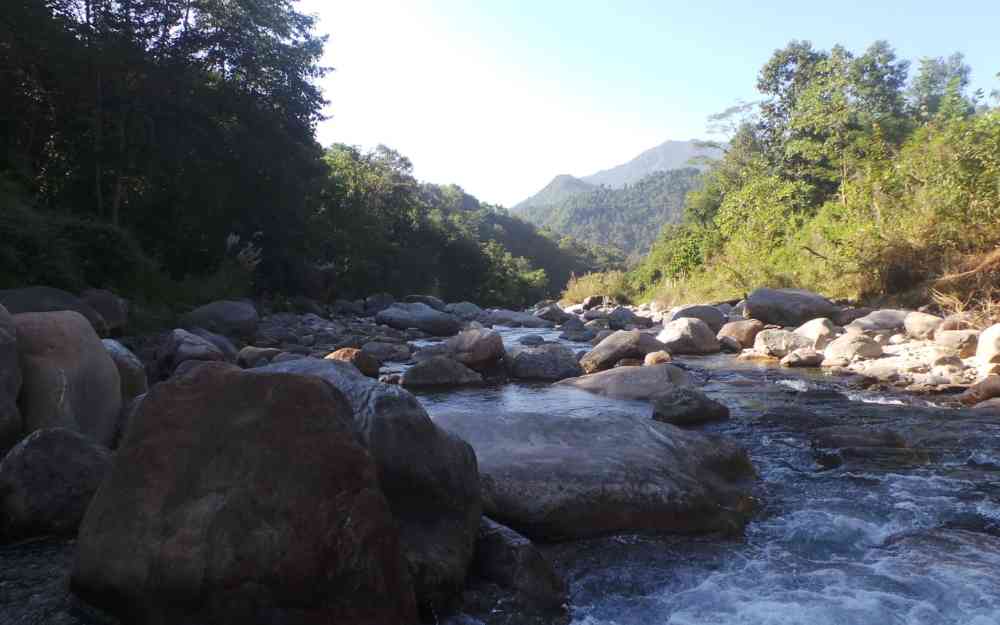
[667, 156]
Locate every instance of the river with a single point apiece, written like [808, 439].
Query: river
[910, 537]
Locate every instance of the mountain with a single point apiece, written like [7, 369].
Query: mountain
[561, 187]
[628, 218]
[664, 157]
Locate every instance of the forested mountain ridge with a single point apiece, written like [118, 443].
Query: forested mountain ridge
[628, 218]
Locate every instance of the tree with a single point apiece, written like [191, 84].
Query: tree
[934, 78]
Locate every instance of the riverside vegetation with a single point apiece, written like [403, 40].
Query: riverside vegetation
[848, 178]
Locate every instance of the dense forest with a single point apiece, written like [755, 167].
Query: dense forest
[852, 176]
[166, 149]
[626, 218]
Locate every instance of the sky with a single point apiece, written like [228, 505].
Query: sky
[500, 96]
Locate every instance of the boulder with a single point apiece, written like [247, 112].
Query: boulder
[712, 316]
[235, 319]
[846, 315]
[378, 302]
[466, 311]
[819, 331]
[11, 425]
[619, 345]
[224, 345]
[364, 362]
[730, 345]
[480, 350]
[532, 340]
[852, 347]
[622, 318]
[553, 313]
[600, 336]
[779, 343]
[38, 299]
[656, 358]
[428, 475]
[131, 371]
[787, 307]
[439, 371]
[988, 348]
[238, 497]
[512, 319]
[886, 321]
[387, 352]
[430, 300]
[180, 346]
[511, 561]
[419, 316]
[559, 477]
[69, 380]
[550, 362]
[921, 325]
[984, 390]
[113, 309]
[597, 314]
[957, 321]
[803, 357]
[688, 336]
[744, 332]
[47, 481]
[962, 342]
[250, 356]
[631, 382]
[687, 406]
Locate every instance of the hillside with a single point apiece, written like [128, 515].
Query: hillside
[628, 218]
[664, 157]
[560, 188]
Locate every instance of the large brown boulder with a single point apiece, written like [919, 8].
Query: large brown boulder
[35, 299]
[477, 349]
[429, 476]
[744, 332]
[622, 344]
[47, 482]
[241, 497]
[560, 477]
[70, 381]
[11, 425]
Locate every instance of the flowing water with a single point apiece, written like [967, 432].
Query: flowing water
[874, 541]
[909, 539]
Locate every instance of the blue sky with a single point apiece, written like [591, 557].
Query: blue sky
[498, 96]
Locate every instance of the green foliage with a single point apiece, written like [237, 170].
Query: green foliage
[614, 284]
[383, 230]
[67, 252]
[848, 182]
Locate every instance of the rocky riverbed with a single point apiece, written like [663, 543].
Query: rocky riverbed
[833, 464]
